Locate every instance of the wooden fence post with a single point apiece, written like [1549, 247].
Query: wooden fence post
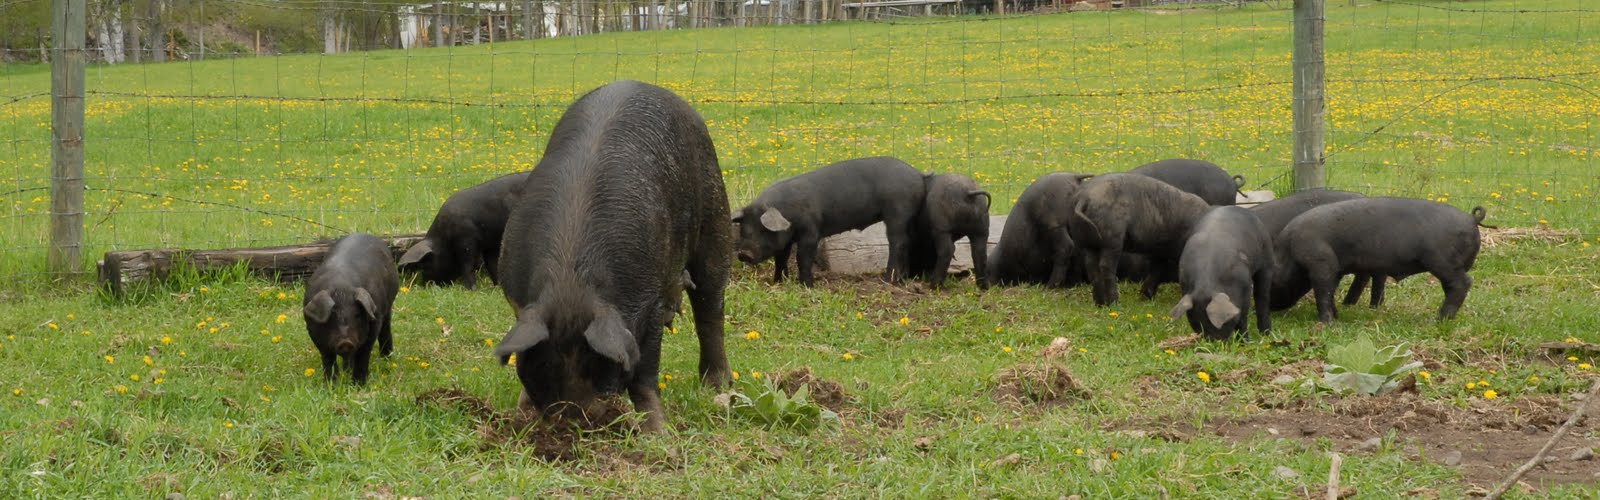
[69, 23]
[1310, 106]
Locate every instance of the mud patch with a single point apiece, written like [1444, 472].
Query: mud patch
[1046, 383]
[829, 394]
[554, 435]
[1485, 440]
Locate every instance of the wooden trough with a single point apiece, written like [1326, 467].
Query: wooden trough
[852, 252]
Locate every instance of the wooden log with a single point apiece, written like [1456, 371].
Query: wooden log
[289, 263]
[852, 252]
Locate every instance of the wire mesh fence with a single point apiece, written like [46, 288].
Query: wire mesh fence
[260, 122]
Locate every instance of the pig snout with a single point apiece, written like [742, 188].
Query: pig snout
[746, 256]
[345, 344]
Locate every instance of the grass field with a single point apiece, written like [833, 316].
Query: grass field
[202, 386]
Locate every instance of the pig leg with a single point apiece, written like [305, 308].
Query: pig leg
[1263, 292]
[711, 280]
[1105, 279]
[491, 264]
[1455, 284]
[644, 392]
[385, 338]
[944, 247]
[1378, 282]
[805, 255]
[1152, 280]
[1061, 258]
[1324, 281]
[899, 234]
[647, 400]
[358, 362]
[1356, 285]
[330, 366]
[780, 263]
[980, 259]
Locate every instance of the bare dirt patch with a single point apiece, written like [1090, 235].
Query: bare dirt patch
[1486, 440]
[554, 435]
[829, 394]
[1045, 383]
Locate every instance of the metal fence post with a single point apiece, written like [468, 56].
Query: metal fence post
[1310, 106]
[68, 23]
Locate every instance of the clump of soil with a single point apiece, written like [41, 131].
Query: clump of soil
[554, 434]
[829, 394]
[1047, 383]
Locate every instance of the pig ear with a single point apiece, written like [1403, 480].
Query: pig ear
[608, 336]
[1221, 309]
[320, 307]
[773, 220]
[364, 299]
[422, 250]
[1183, 307]
[528, 332]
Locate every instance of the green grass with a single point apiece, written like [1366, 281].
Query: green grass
[234, 411]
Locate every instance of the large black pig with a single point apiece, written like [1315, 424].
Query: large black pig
[465, 235]
[1035, 246]
[1395, 237]
[1277, 213]
[347, 304]
[1202, 178]
[627, 197]
[798, 212]
[1116, 213]
[954, 208]
[1225, 272]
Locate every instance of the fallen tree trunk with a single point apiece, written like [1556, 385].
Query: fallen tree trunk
[290, 263]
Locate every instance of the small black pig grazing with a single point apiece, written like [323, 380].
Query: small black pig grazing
[1277, 213]
[465, 235]
[627, 197]
[954, 208]
[1035, 246]
[1202, 178]
[347, 304]
[1114, 213]
[1395, 237]
[798, 212]
[1227, 261]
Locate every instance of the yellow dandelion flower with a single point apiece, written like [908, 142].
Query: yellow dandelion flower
[311, 371]
[752, 375]
[265, 399]
[1116, 456]
[1534, 378]
[1006, 349]
[149, 362]
[1083, 349]
[53, 326]
[848, 357]
[512, 360]
[1077, 451]
[122, 389]
[228, 424]
[158, 380]
[905, 320]
[736, 375]
[1583, 366]
[110, 359]
[752, 335]
[182, 354]
[997, 329]
[424, 364]
[282, 318]
[1425, 375]
[166, 340]
[977, 418]
[134, 377]
[439, 320]
[662, 385]
[488, 342]
[405, 289]
[1490, 394]
[1472, 385]
[72, 316]
[1572, 358]
[1171, 352]
[213, 330]
[16, 392]
[1115, 314]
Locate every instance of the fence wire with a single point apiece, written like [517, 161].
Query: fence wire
[279, 122]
